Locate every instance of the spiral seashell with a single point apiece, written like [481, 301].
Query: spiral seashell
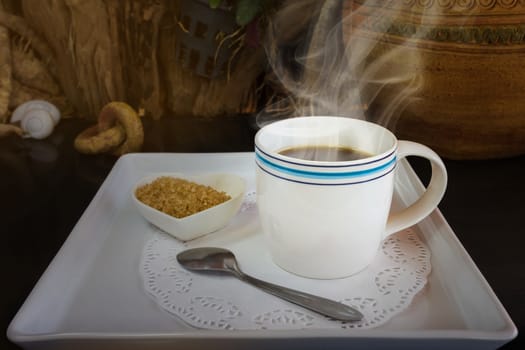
[37, 118]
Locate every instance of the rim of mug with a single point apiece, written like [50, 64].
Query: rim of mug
[292, 160]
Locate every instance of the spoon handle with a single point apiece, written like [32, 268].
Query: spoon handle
[327, 307]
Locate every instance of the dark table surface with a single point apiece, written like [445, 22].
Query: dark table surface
[45, 185]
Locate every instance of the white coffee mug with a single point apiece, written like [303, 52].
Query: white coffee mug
[326, 219]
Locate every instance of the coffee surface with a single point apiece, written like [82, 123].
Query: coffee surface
[325, 153]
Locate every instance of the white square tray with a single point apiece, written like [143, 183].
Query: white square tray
[92, 296]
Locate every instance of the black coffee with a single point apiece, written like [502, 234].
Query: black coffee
[324, 153]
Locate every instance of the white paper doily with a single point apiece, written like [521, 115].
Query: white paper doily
[220, 301]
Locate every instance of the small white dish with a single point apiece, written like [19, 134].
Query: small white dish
[203, 222]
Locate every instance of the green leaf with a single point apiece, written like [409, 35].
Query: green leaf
[214, 3]
[247, 10]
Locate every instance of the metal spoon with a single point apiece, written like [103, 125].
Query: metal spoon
[218, 259]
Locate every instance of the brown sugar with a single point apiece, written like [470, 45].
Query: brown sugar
[178, 197]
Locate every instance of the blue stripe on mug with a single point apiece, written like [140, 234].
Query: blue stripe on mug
[327, 183]
[324, 175]
[258, 150]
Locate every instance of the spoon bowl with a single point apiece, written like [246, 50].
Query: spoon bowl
[212, 259]
[219, 259]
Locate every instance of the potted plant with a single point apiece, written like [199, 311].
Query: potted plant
[212, 32]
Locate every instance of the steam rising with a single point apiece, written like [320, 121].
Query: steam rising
[322, 61]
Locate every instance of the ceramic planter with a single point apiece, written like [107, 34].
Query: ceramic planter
[467, 59]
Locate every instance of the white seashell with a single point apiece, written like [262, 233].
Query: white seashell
[37, 118]
[37, 123]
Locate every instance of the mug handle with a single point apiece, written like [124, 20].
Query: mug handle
[432, 196]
